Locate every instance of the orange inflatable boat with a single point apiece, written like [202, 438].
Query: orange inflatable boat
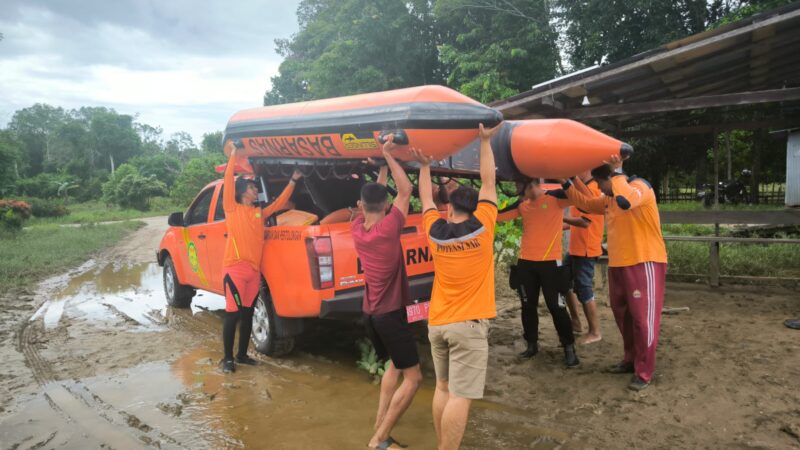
[439, 121]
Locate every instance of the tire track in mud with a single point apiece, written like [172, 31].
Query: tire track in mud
[26, 344]
[80, 406]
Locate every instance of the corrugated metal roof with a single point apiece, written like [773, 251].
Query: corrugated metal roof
[760, 53]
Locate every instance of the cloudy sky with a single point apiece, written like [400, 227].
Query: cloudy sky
[184, 65]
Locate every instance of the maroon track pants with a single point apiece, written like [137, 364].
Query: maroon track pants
[636, 294]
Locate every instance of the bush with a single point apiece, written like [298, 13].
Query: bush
[92, 189]
[128, 189]
[12, 214]
[165, 204]
[41, 207]
[47, 185]
[197, 173]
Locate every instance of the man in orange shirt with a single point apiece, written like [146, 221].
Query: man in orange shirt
[584, 248]
[637, 263]
[241, 264]
[540, 265]
[462, 299]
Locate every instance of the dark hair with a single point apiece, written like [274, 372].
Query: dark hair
[442, 195]
[241, 187]
[464, 200]
[602, 172]
[373, 197]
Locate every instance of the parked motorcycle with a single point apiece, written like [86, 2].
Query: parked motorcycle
[730, 191]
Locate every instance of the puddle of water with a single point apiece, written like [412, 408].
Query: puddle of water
[315, 398]
[191, 404]
[115, 294]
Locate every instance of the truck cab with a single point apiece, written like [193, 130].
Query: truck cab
[309, 266]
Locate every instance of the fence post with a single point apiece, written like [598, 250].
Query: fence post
[713, 260]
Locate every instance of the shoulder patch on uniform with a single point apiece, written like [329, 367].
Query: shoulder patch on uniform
[622, 202]
[443, 232]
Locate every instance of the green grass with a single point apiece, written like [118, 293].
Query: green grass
[775, 260]
[698, 206]
[45, 250]
[97, 211]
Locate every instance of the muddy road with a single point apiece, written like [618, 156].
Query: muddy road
[95, 359]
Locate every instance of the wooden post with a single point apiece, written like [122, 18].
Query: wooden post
[713, 259]
[716, 169]
[730, 160]
[713, 253]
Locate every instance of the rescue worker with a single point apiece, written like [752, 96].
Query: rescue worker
[241, 264]
[637, 263]
[376, 235]
[540, 265]
[462, 299]
[585, 238]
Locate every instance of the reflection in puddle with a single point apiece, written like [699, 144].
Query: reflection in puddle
[316, 398]
[305, 402]
[111, 295]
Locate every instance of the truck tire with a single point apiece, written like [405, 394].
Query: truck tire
[178, 295]
[265, 337]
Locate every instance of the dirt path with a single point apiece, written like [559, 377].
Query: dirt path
[22, 340]
[727, 375]
[95, 358]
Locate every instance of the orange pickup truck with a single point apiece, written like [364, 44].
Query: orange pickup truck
[309, 269]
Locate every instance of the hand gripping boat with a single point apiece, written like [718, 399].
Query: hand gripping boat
[439, 121]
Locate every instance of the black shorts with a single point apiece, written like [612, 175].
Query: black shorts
[391, 336]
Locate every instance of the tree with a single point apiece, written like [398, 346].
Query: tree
[603, 31]
[181, 145]
[71, 149]
[354, 46]
[114, 138]
[151, 137]
[212, 143]
[497, 48]
[130, 189]
[10, 155]
[165, 168]
[195, 175]
[34, 128]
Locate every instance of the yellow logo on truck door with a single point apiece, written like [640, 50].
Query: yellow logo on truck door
[194, 259]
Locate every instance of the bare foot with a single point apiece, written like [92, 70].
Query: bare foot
[577, 328]
[590, 339]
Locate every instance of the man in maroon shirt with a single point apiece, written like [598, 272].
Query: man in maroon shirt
[376, 234]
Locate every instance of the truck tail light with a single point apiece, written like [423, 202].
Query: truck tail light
[320, 260]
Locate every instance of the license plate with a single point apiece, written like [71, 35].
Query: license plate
[417, 311]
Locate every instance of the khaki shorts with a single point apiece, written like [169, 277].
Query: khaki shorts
[460, 353]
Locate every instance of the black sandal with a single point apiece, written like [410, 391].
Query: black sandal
[388, 443]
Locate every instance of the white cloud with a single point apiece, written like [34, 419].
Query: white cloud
[176, 65]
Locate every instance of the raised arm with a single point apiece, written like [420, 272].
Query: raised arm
[488, 170]
[228, 183]
[627, 195]
[591, 205]
[280, 202]
[383, 175]
[581, 186]
[401, 181]
[509, 213]
[425, 185]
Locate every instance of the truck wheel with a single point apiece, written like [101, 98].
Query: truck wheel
[177, 294]
[264, 334]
